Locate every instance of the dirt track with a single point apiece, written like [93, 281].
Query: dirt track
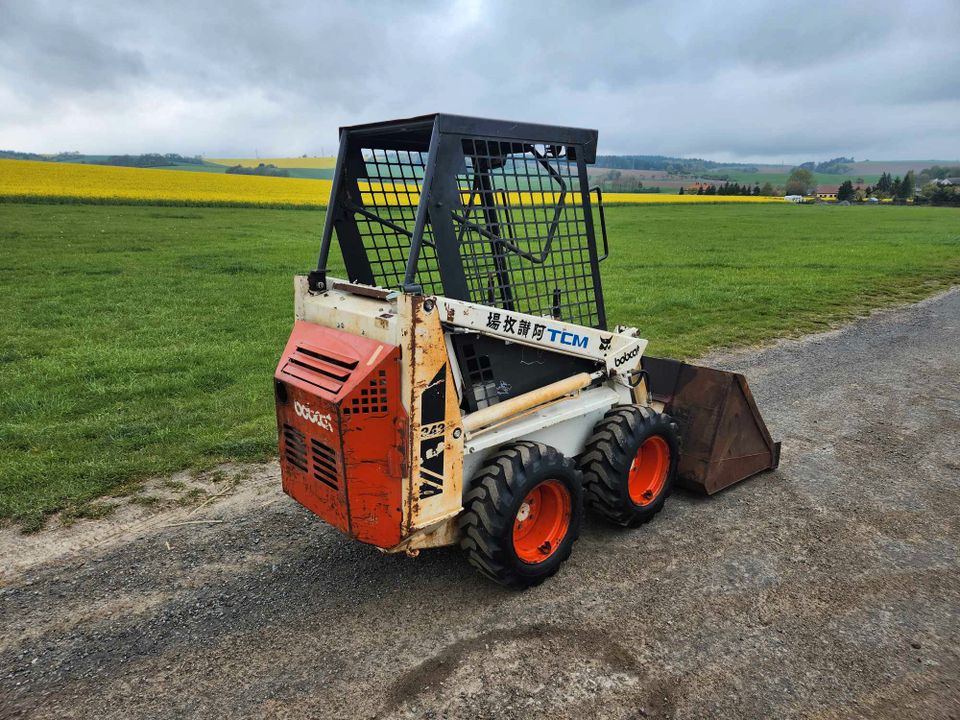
[829, 588]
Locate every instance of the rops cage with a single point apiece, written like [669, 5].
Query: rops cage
[487, 211]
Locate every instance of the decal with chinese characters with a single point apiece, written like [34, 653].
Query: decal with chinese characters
[620, 352]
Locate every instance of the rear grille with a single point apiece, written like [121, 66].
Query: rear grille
[323, 458]
[295, 447]
[321, 368]
[372, 399]
[324, 463]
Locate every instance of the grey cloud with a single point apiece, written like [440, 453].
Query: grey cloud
[789, 80]
[47, 47]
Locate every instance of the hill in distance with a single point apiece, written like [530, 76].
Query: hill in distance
[623, 173]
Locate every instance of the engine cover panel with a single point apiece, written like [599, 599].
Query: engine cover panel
[342, 427]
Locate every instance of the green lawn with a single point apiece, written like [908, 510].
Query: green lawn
[142, 340]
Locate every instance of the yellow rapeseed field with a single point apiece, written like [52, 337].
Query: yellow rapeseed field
[74, 181]
[100, 182]
[396, 193]
[320, 163]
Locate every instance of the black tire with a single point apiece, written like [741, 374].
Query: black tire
[494, 500]
[609, 454]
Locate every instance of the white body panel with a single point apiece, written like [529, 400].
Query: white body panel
[421, 327]
[565, 424]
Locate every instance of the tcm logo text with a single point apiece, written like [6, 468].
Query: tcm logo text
[568, 338]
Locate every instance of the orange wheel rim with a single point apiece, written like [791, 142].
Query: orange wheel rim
[648, 473]
[542, 521]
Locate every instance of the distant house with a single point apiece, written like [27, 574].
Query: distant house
[793, 198]
[946, 182]
[828, 193]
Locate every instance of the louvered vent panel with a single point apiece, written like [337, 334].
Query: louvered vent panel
[295, 447]
[321, 368]
[324, 463]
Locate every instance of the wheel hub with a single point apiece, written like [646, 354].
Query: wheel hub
[542, 521]
[648, 472]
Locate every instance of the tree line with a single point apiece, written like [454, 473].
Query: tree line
[937, 173]
[149, 160]
[732, 189]
[888, 187]
[935, 193]
[59, 157]
[261, 169]
[834, 166]
[670, 165]
[896, 188]
[146, 160]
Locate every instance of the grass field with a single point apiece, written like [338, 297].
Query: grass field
[141, 340]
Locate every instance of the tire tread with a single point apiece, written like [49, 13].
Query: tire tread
[486, 523]
[607, 457]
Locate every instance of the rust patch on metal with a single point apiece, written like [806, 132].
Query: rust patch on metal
[363, 290]
[409, 353]
[436, 456]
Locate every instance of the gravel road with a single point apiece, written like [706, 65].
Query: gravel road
[829, 588]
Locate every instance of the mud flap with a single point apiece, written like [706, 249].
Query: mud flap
[723, 437]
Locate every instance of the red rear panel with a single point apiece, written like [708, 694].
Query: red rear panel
[342, 429]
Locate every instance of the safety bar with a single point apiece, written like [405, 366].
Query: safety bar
[603, 223]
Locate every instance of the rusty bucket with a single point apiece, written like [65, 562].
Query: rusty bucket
[723, 437]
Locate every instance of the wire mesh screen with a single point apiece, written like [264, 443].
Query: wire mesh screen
[522, 236]
[513, 214]
[389, 195]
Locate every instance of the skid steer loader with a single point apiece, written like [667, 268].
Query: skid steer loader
[460, 385]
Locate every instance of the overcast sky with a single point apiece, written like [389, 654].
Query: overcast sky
[763, 81]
